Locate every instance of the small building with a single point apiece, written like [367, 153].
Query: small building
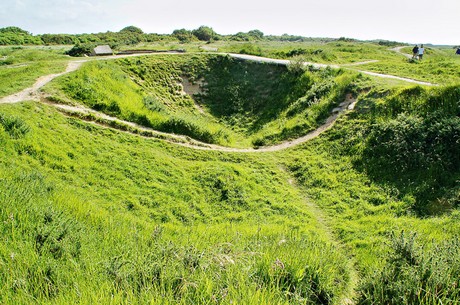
[102, 50]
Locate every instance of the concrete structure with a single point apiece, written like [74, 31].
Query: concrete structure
[102, 50]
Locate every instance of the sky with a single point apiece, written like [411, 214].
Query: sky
[412, 21]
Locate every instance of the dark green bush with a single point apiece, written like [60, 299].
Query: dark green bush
[413, 144]
[420, 155]
[81, 49]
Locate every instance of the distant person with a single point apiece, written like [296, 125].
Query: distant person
[415, 52]
[421, 50]
[458, 51]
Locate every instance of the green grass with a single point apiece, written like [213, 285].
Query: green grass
[437, 66]
[188, 226]
[89, 214]
[22, 66]
[336, 52]
[440, 66]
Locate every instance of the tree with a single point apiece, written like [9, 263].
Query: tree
[240, 36]
[256, 34]
[204, 33]
[132, 29]
[183, 35]
[14, 29]
[13, 35]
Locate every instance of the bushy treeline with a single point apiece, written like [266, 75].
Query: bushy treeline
[129, 35]
[132, 35]
[16, 36]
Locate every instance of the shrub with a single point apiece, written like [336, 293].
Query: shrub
[14, 126]
[411, 148]
[81, 49]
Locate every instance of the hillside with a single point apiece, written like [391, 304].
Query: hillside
[94, 212]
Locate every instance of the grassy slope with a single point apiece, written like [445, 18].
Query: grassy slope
[22, 66]
[91, 215]
[243, 103]
[376, 213]
[439, 65]
[337, 52]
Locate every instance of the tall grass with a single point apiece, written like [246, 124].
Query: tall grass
[90, 215]
[416, 274]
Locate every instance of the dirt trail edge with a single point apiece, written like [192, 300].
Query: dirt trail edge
[31, 93]
[132, 128]
[316, 65]
[104, 120]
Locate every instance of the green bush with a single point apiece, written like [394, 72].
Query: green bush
[421, 155]
[81, 49]
[413, 143]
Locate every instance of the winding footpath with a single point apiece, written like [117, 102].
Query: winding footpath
[319, 66]
[130, 127]
[33, 94]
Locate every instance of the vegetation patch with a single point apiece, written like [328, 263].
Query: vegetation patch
[415, 274]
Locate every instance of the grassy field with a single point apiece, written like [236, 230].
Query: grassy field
[21, 66]
[440, 65]
[366, 213]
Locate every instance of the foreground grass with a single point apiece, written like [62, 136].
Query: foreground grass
[91, 215]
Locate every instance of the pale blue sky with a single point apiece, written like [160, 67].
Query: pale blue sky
[414, 21]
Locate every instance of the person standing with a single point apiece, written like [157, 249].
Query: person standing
[421, 51]
[458, 51]
[415, 52]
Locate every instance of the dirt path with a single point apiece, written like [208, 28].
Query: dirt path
[132, 128]
[316, 65]
[396, 77]
[33, 94]
[102, 119]
[398, 50]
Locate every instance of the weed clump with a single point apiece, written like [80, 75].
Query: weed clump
[415, 274]
[14, 126]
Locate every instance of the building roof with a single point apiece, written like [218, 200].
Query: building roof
[102, 50]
